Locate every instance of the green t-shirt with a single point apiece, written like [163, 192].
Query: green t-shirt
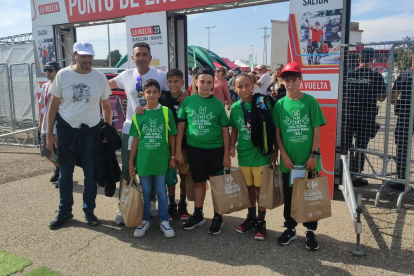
[153, 152]
[205, 117]
[247, 154]
[296, 120]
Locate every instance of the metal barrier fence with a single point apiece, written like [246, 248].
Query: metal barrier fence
[18, 107]
[375, 114]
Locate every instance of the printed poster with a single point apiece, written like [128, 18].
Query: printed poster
[44, 44]
[315, 37]
[152, 29]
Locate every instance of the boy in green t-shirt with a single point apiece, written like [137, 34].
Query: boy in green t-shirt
[298, 119]
[204, 120]
[152, 131]
[251, 161]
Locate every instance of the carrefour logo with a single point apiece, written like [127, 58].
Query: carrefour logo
[312, 185]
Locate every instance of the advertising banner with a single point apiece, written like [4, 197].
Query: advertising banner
[315, 33]
[251, 63]
[118, 116]
[53, 12]
[152, 29]
[44, 44]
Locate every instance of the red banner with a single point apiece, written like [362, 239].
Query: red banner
[87, 10]
[315, 85]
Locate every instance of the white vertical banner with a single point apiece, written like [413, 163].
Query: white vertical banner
[152, 29]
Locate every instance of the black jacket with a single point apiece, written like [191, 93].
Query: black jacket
[71, 144]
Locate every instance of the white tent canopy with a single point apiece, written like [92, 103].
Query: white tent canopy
[242, 63]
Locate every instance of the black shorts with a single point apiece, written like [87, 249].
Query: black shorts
[204, 162]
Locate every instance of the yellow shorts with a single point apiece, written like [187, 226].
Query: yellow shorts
[252, 175]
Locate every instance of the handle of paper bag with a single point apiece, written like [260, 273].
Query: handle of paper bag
[139, 186]
[224, 170]
[275, 163]
[314, 174]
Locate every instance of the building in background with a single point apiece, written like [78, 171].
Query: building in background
[280, 36]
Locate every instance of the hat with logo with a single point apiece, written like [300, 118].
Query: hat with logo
[291, 67]
[83, 48]
[53, 64]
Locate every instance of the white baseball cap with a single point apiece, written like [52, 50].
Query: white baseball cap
[231, 71]
[83, 48]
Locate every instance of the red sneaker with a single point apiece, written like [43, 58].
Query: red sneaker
[246, 226]
[260, 229]
[182, 211]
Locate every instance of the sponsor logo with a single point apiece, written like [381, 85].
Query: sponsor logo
[315, 85]
[287, 67]
[230, 178]
[312, 185]
[314, 2]
[142, 31]
[231, 188]
[49, 8]
[42, 32]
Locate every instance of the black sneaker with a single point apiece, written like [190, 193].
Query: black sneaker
[182, 211]
[59, 220]
[172, 210]
[247, 225]
[91, 219]
[311, 242]
[396, 186]
[194, 222]
[216, 225]
[55, 175]
[359, 182]
[287, 236]
[260, 229]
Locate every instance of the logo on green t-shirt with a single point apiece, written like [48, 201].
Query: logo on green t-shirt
[246, 134]
[202, 119]
[297, 125]
[152, 133]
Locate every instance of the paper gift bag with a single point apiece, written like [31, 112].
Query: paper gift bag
[271, 189]
[229, 193]
[131, 204]
[189, 187]
[311, 199]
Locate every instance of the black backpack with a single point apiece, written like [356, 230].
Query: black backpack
[263, 132]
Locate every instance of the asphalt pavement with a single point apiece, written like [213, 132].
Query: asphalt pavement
[29, 202]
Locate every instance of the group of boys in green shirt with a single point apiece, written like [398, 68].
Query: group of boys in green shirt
[202, 119]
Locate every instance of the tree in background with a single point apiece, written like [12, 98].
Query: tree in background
[402, 55]
[115, 57]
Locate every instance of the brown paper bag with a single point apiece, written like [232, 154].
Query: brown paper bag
[131, 203]
[311, 199]
[189, 187]
[271, 189]
[229, 193]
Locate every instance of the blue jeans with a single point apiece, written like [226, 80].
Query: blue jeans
[90, 183]
[234, 95]
[161, 189]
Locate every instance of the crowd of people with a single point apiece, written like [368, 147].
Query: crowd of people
[189, 131]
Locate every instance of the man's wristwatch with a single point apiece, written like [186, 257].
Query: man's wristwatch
[314, 152]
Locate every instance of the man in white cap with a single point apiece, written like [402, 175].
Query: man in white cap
[79, 90]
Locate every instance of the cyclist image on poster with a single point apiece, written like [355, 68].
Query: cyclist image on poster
[320, 36]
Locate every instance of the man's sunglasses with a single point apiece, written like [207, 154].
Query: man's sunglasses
[138, 86]
[50, 70]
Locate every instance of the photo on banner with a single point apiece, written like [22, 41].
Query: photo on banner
[44, 47]
[152, 29]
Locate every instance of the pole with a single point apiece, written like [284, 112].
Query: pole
[109, 47]
[209, 38]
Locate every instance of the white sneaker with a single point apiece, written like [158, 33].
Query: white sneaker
[140, 231]
[166, 228]
[119, 219]
[153, 210]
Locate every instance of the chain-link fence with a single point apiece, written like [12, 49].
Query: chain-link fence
[18, 108]
[6, 110]
[375, 112]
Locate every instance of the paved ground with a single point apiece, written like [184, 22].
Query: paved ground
[29, 202]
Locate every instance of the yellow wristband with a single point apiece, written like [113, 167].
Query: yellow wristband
[173, 157]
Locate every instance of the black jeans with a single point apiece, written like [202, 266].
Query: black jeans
[287, 194]
[401, 141]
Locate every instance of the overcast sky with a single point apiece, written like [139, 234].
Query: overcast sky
[236, 30]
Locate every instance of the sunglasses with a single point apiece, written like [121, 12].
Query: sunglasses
[138, 86]
[50, 70]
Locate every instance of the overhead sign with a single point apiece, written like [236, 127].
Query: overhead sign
[315, 31]
[152, 29]
[53, 12]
